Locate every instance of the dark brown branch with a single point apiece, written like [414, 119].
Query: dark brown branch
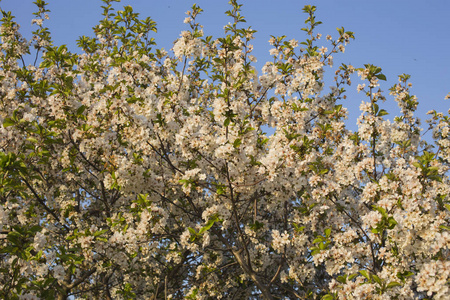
[82, 278]
[42, 202]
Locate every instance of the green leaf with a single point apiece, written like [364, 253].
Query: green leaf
[99, 233]
[393, 284]
[193, 234]
[237, 143]
[352, 276]
[220, 190]
[318, 240]
[208, 225]
[375, 107]
[33, 140]
[381, 77]
[298, 228]
[35, 228]
[382, 112]
[365, 274]
[404, 275]
[81, 109]
[375, 230]
[8, 122]
[342, 279]
[377, 280]
[49, 281]
[444, 227]
[314, 251]
[381, 210]
[256, 226]
[391, 222]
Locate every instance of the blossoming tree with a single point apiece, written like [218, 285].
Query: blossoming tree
[130, 172]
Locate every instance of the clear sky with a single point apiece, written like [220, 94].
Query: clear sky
[400, 36]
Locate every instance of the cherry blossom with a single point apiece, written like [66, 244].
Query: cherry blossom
[132, 172]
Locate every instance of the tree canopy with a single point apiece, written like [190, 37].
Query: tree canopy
[131, 172]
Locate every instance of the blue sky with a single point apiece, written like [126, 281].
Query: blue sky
[399, 36]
